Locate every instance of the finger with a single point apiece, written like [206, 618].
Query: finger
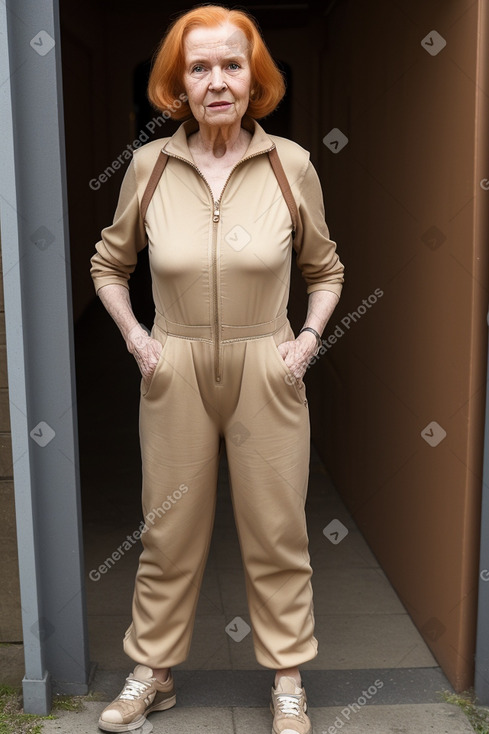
[159, 349]
[152, 356]
[146, 367]
[284, 349]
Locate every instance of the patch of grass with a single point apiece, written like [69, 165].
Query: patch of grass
[95, 696]
[68, 703]
[75, 703]
[477, 716]
[12, 718]
[14, 721]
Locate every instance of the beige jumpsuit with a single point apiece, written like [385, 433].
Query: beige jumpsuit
[220, 274]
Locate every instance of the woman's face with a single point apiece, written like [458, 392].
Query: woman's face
[217, 75]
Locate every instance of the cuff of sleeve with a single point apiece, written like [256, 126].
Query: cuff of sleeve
[110, 280]
[335, 288]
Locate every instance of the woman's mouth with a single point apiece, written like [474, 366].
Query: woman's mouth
[220, 104]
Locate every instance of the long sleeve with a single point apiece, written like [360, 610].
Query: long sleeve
[116, 253]
[316, 253]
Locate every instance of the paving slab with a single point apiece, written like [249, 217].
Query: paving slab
[402, 719]
[177, 720]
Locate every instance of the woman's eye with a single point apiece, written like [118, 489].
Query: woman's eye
[199, 67]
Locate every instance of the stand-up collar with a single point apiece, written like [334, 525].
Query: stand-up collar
[178, 145]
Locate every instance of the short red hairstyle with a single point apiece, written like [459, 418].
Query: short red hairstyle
[165, 81]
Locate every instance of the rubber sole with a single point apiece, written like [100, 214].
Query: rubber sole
[137, 724]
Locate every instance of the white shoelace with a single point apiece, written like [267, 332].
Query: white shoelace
[289, 704]
[134, 689]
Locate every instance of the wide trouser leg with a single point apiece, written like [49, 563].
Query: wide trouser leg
[267, 444]
[180, 458]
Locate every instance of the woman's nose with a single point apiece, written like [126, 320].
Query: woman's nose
[217, 80]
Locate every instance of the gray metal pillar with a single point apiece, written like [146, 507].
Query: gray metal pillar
[481, 683]
[38, 315]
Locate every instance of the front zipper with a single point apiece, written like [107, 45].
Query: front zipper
[217, 325]
[215, 221]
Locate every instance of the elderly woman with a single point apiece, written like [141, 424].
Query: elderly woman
[220, 205]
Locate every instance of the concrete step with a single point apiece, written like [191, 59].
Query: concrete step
[441, 718]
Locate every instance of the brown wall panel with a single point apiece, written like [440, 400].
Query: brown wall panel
[403, 196]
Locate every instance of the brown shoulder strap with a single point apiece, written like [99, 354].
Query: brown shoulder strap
[153, 182]
[277, 169]
[284, 185]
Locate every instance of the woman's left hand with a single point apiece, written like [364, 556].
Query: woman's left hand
[298, 353]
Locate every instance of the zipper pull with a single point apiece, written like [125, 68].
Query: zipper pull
[215, 218]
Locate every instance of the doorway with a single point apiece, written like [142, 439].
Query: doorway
[398, 400]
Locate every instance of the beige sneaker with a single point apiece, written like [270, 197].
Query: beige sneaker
[288, 706]
[141, 695]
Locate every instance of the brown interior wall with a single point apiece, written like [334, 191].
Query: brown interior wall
[417, 353]
[10, 615]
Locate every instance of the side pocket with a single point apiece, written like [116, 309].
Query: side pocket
[288, 377]
[163, 338]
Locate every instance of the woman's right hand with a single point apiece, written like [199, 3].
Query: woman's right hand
[145, 350]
